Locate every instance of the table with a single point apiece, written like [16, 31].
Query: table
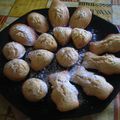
[10, 10]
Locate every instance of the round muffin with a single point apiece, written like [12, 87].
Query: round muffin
[23, 34]
[38, 22]
[67, 56]
[40, 59]
[16, 69]
[81, 18]
[13, 50]
[34, 89]
[46, 41]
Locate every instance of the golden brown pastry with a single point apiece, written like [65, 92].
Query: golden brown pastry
[62, 35]
[59, 78]
[38, 22]
[13, 50]
[93, 85]
[46, 41]
[81, 18]
[64, 94]
[58, 13]
[34, 89]
[80, 37]
[16, 69]
[23, 34]
[67, 56]
[40, 59]
[107, 64]
[110, 44]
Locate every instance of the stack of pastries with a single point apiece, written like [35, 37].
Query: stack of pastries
[45, 49]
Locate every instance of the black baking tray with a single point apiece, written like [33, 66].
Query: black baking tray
[46, 108]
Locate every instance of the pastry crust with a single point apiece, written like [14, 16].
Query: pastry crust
[67, 56]
[34, 89]
[16, 69]
[81, 18]
[64, 94]
[62, 35]
[110, 44]
[92, 84]
[38, 22]
[58, 13]
[59, 78]
[23, 34]
[40, 59]
[46, 41]
[80, 37]
[13, 50]
[107, 64]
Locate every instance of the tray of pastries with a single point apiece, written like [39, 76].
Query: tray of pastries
[60, 62]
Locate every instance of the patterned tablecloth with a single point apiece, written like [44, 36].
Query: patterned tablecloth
[10, 10]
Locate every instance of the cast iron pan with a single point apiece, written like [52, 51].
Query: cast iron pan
[46, 108]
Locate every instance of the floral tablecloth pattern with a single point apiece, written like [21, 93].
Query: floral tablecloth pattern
[10, 10]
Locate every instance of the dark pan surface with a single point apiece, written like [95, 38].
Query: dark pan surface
[45, 108]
